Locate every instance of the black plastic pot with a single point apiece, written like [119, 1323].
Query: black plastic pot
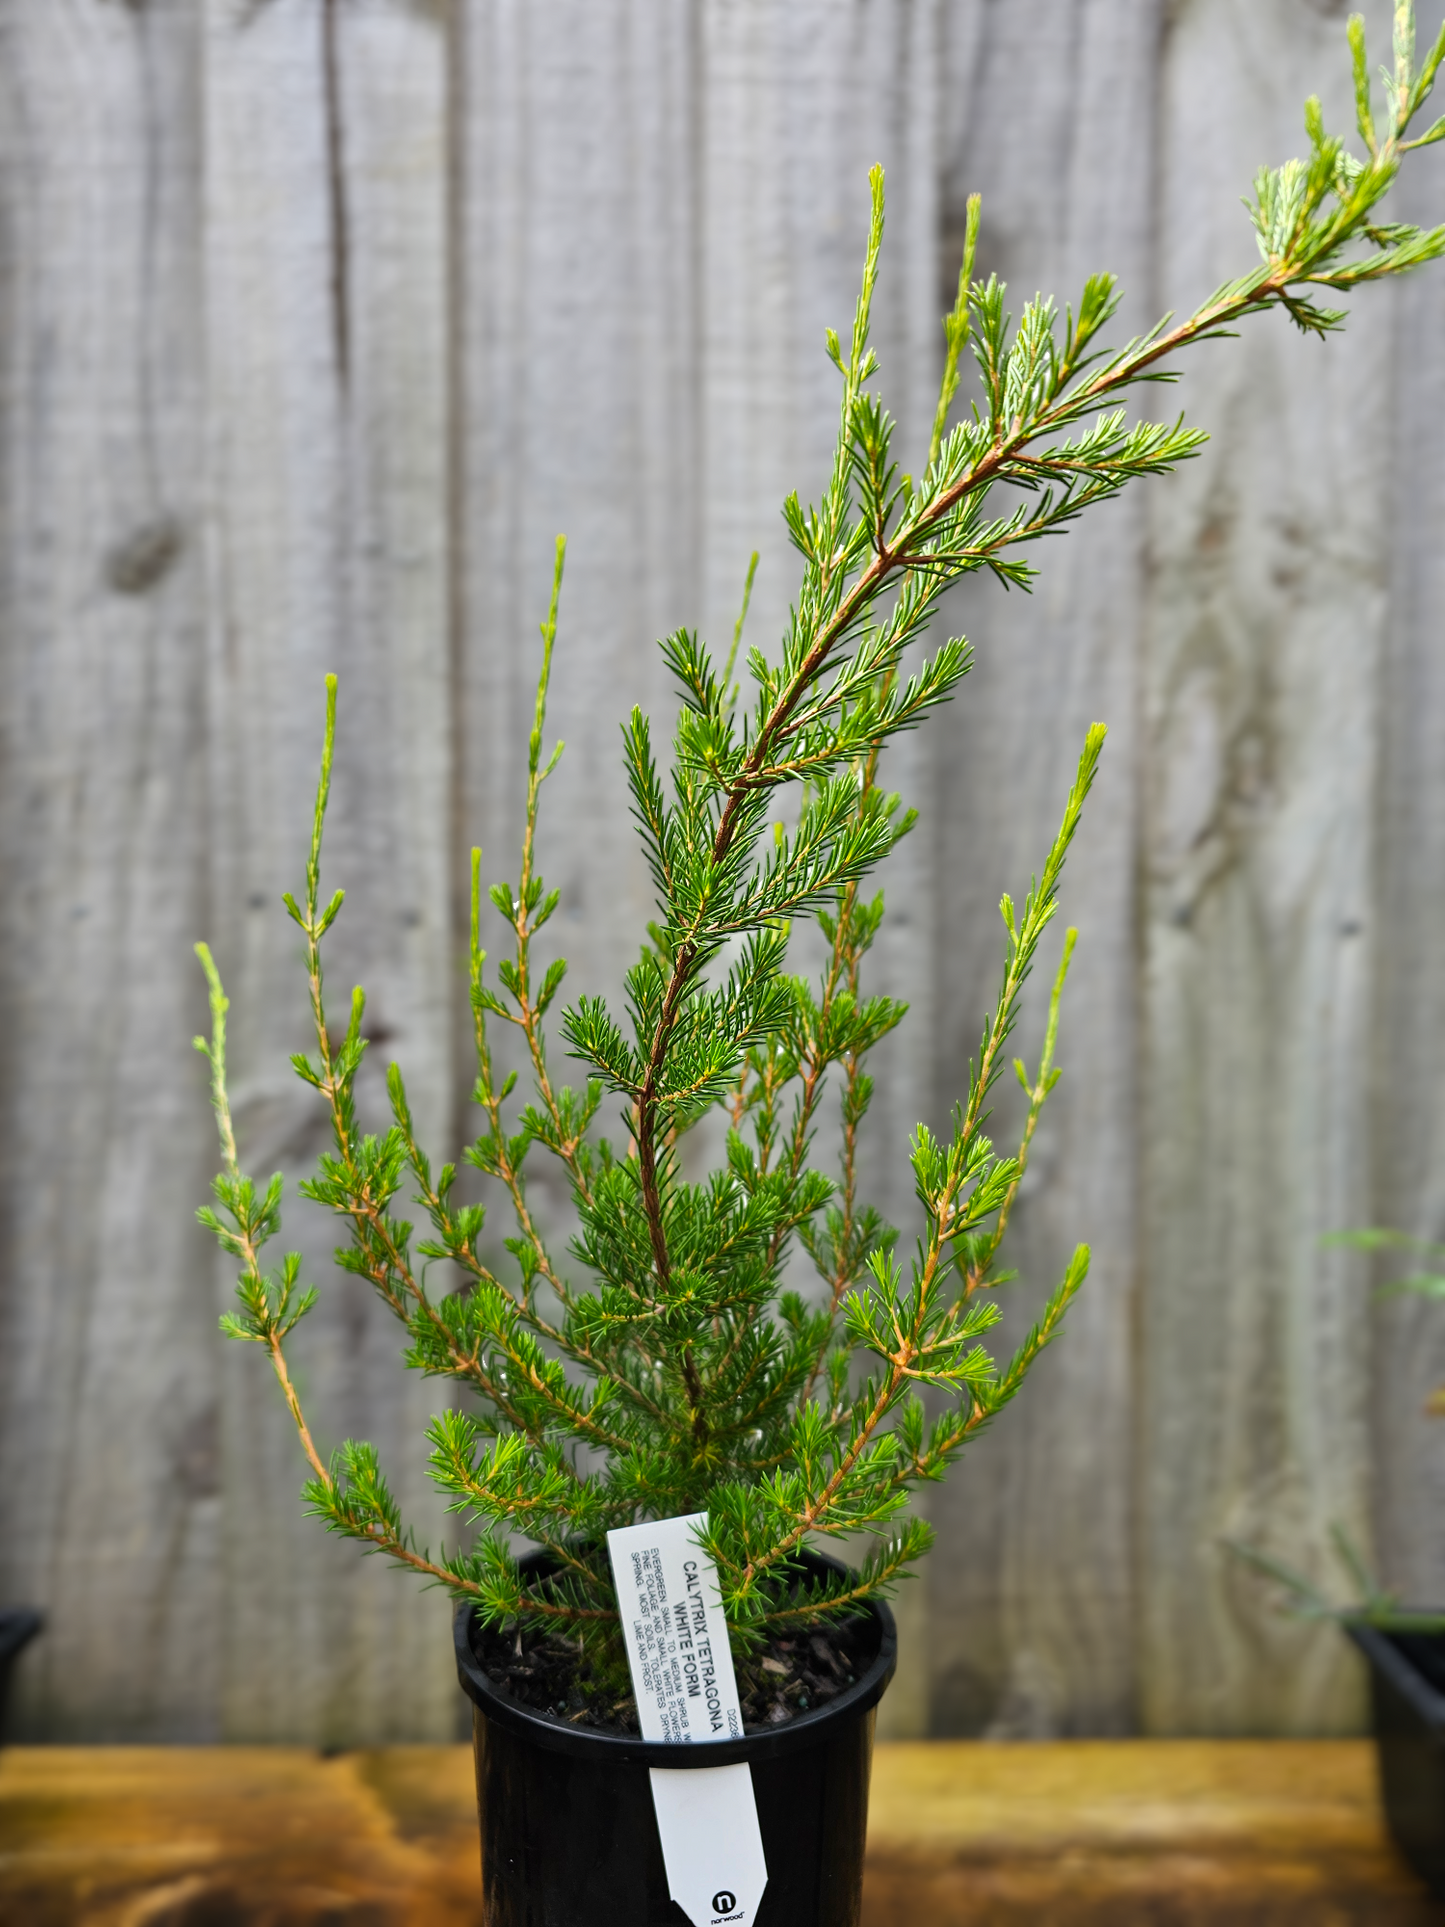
[18, 1626]
[1407, 1686]
[568, 1832]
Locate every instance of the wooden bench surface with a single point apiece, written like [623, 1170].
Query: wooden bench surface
[961, 1833]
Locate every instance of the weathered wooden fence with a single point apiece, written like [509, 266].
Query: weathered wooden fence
[318, 319]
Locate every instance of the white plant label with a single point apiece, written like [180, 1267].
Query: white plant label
[707, 1820]
[682, 1676]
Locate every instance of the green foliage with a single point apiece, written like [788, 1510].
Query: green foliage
[681, 1374]
[1303, 1599]
[1425, 1284]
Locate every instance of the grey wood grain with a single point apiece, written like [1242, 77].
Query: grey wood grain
[576, 348]
[1407, 1121]
[326, 275]
[1032, 1585]
[109, 1507]
[1266, 629]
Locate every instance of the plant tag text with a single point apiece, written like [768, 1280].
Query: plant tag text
[682, 1676]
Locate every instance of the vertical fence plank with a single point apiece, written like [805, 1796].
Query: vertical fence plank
[327, 355]
[1032, 1598]
[577, 358]
[1408, 1118]
[107, 1404]
[1265, 641]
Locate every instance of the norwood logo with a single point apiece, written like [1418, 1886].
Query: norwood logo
[723, 1902]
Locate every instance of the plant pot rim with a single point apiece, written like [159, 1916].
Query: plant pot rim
[1378, 1646]
[620, 1749]
[18, 1626]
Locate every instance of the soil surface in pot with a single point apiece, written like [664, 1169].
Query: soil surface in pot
[790, 1675]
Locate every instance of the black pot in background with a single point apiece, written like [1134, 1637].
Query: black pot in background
[1407, 1687]
[568, 1831]
[18, 1626]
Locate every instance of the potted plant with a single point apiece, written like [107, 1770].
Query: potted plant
[668, 1380]
[1403, 1646]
